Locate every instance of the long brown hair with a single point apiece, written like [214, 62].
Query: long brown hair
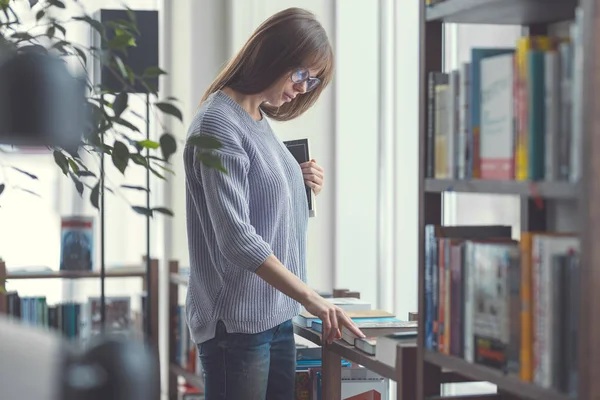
[287, 40]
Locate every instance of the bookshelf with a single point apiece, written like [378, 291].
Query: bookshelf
[333, 353]
[176, 339]
[539, 199]
[133, 271]
[403, 373]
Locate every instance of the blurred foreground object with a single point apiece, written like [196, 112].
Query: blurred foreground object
[41, 103]
[41, 365]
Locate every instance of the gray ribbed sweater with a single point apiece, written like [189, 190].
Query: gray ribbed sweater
[236, 220]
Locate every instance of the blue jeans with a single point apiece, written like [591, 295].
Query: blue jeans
[259, 366]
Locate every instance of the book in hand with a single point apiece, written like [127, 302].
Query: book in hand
[300, 150]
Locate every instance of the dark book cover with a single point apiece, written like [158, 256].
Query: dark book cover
[300, 150]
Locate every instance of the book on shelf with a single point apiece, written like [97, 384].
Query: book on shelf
[301, 151]
[366, 345]
[375, 327]
[77, 243]
[509, 113]
[347, 304]
[510, 305]
[117, 315]
[306, 319]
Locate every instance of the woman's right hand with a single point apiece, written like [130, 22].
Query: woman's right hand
[332, 318]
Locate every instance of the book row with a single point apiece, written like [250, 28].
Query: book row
[509, 113]
[511, 305]
[73, 319]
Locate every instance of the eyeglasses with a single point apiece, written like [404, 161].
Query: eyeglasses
[302, 75]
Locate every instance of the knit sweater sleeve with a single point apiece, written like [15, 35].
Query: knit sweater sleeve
[227, 199]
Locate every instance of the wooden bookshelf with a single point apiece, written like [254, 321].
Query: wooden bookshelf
[332, 354]
[176, 371]
[133, 271]
[583, 197]
[121, 272]
[348, 352]
[481, 373]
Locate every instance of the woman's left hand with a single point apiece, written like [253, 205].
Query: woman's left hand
[313, 175]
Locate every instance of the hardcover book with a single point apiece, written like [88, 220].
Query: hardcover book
[300, 150]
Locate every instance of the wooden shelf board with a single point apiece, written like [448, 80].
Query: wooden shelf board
[349, 352]
[178, 279]
[548, 190]
[115, 273]
[505, 383]
[503, 12]
[308, 334]
[189, 376]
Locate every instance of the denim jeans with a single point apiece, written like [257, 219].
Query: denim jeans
[259, 366]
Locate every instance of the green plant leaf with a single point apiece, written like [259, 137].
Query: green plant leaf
[32, 176]
[120, 156]
[78, 184]
[28, 191]
[120, 103]
[142, 210]
[61, 161]
[82, 174]
[170, 109]
[140, 188]
[73, 165]
[164, 168]
[60, 28]
[140, 160]
[39, 15]
[2, 187]
[157, 174]
[22, 36]
[125, 123]
[121, 66]
[50, 31]
[205, 142]
[81, 54]
[168, 145]
[149, 144]
[56, 3]
[212, 161]
[95, 194]
[153, 72]
[121, 41]
[163, 210]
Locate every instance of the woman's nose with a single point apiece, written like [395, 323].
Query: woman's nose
[300, 87]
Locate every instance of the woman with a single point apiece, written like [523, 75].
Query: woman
[247, 227]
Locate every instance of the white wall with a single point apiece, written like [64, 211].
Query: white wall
[406, 156]
[356, 146]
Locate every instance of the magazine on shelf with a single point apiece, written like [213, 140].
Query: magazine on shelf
[77, 243]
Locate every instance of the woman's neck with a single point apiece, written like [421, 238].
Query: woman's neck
[249, 102]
